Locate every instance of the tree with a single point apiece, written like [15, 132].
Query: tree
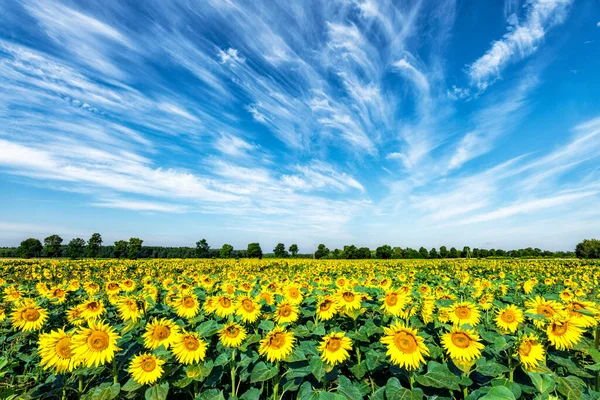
[135, 247]
[280, 251]
[254, 251]
[363, 253]
[321, 252]
[30, 248]
[466, 252]
[423, 252]
[384, 252]
[226, 251]
[293, 249]
[351, 252]
[453, 253]
[589, 248]
[121, 248]
[76, 248]
[443, 252]
[398, 253]
[433, 253]
[202, 249]
[93, 247]
[52, 245]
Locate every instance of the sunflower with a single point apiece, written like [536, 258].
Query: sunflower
[74, 316]
[224, 306]
[349, 300]
[462, 345]
[29, 317]
[188, 348]
[163, 331]
[326, 308]
[2, 313]
[464, 312]
[57, 294]
[564, 332]
[232, 335]
[146, 368]
[293, 295]
[286, 312]
[187, 305]
[576, 310]
[277, 345]
[544, 307]
[267, 297]
[94, 345]
[129, 310]
[393, 303]
[334, 348]
[247, 309]
[404, 346]
[530, 352]
[55, 352]
[11, 294]
[509, 318]
[92, 309]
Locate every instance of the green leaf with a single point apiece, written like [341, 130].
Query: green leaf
[359, 370]
[379, 394]
[131, 386]
[499, 393]
[222, 359]
[346, 389]
[514, 387]
[317, 367]
[266, 325]
[207, 328]
[157, 392]
[298, 372]
[490, 368]
[211, 394]
[262, 372]
[571, 387]
[251, 394]
[105, 391]
[438, 376]
[544, 383]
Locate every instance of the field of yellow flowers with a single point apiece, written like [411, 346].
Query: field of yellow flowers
[305, 329]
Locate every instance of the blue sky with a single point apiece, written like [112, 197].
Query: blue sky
[341, 121]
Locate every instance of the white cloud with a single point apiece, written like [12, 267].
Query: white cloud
[137, 205]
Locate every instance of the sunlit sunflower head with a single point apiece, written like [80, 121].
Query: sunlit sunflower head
[286, 312]
[29, 317]
[564, 332]
[91, 288]
[129, 309]
[187, 305]
[464, 312]
[277, 345]
[583, 312]
[12, 294]
[209, 305]
[146, 368]
[541, 306]
[404, 346]
[112, 287]
[232, 335]
[530, 352]
[349, 300]
[92, 309]
[393, 302]
[293, 294]
[188, 348]
[247, 309]
[224, 306]
[74, 316]
[462, 344]
[2, 313]
[327, 308]
[94, 345]
[128, 285]
[427, 309]
[160, 332]
[55, 352]
[267, 297]
[334, 348]
[509, 318]
[57, 295]
[529, 286]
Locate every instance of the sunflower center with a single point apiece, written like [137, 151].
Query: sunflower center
[93, 306]
[463, 312]
[546, 310]
[188, 302]
[98, 340]
[59, 293]
[148, 364]
[225, 302]
[461, 340]
[248, 305]
[508, 316]
[334, 344]
[161, 332]
[293, 293]
[232, 331]
[405, 342]
[348, 296]
[560, 329]
[578, 306]
[525, 348]
[326, 305]
[277, 341]
[391, 299]
[31, 315]
[191, 343]
[285, 311]
[113, 286]
[63, 348]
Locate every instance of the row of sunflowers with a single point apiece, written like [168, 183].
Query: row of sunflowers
[306, 329]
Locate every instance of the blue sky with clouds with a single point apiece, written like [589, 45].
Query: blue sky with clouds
[341, 121]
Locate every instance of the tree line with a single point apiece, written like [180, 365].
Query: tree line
[133, 248]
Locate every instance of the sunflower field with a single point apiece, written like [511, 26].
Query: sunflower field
[299, 329]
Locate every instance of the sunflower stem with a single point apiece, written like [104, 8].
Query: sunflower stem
[233, 391]
[80, 385]
[276, 382]
[115, 373]
[596, 346]
[325, 381]
[511, 368]
[411, 379]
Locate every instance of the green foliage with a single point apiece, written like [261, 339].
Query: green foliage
[76, 248]
[293, 250]
[30, 248]
[280, 251]
[321, 252]
[93, 247]
[120, 250]
[254, 251]
[384, 252]
[52, 246]
[589, 248]
[202, 249]
[226, 251]
[134, 248]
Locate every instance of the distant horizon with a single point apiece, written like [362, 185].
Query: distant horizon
[422, 123]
